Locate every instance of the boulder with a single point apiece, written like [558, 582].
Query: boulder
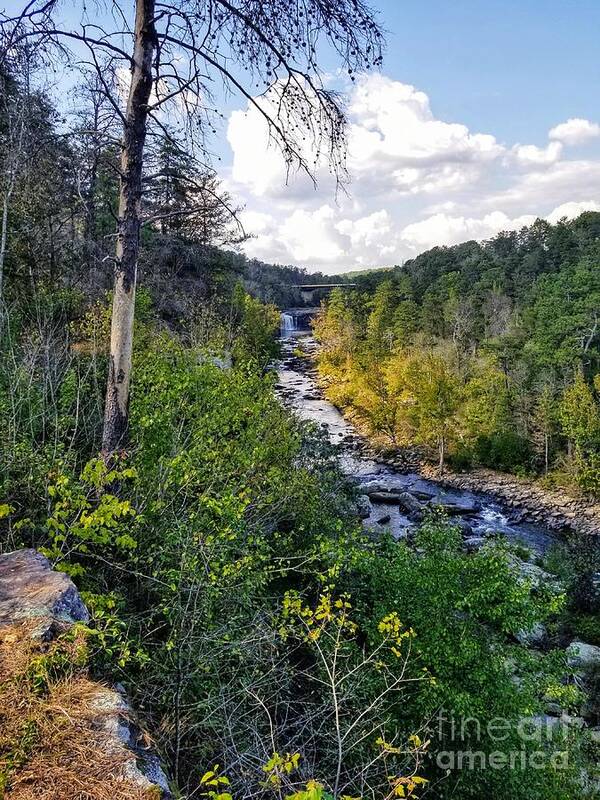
[383, 496]
[372, 486]
[533, 637]
[411, 505]
[582, 654]
[473, 543]
[384, 520]
[363, 506]
[422, 495]
[571, 721]
[463, 526]
[536, 575]
[30, 589]
[462, 507]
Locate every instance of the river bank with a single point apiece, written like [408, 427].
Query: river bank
[525, 498]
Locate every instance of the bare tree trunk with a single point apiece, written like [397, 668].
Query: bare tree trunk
[128, 238]
[442, 453]
[3, 235]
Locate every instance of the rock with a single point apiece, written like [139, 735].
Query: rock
[473, 543]
[582, 654]
[411, 505]
[462, 507]
[391, 498]
[384, 520]
[363, 506]
[464, 527]
[553, 709]
[572, 722]
[517, 518]
[421, 495]
[533, 573]
[533, 637]
[372, 486]
[223, 362]
[30, 589]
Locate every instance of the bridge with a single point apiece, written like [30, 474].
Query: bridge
[307, 290]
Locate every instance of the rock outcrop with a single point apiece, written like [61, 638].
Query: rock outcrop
[38, 609]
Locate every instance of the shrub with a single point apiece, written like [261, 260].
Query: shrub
[504, 450]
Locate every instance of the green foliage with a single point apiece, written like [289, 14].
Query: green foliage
[486, 353]
[258, 327]
[504, 450]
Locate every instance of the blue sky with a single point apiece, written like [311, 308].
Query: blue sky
[513, 68]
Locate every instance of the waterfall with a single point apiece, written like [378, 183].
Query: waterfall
[288, 323]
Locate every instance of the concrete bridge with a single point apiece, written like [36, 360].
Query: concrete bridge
[307, 290]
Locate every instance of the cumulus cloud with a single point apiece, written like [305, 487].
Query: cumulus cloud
[572, 210]
[531, 156]
[416, 181]
[443, 229]
[575, 131]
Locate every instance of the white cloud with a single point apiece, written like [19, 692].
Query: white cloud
[530, 156]
[575, 131]
[572, 210]
[395, 132]
[442, 229]
[416, 181]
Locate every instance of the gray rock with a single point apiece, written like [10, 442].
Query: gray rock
[363, 506]
[462, 507]
[223, 362]
[536, 575]
[533, 637]
[384, 520]
[372, 486]
[464, 527]
[473, 543]
[572, 722]
[391, 498]
[421, 495]
[31, 589]
[582, 654]
[411, 505]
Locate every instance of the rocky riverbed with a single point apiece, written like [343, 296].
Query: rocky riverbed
[396, 489]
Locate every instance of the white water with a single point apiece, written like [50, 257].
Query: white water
[288, 323]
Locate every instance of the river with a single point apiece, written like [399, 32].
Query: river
[482, 516]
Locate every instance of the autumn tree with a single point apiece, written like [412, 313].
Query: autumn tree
[174, 53]
[579, 416]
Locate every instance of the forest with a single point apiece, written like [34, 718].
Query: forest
[486, 353]
[271, 647]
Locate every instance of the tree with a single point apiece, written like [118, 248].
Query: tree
[436, 395]
[544, 421]
[379, 330]
[176, 52]
[186, 198]
[578, 415]
[12, 139]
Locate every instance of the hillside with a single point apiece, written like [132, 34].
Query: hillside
[488, 352]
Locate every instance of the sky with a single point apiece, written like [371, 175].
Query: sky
[484, 116]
